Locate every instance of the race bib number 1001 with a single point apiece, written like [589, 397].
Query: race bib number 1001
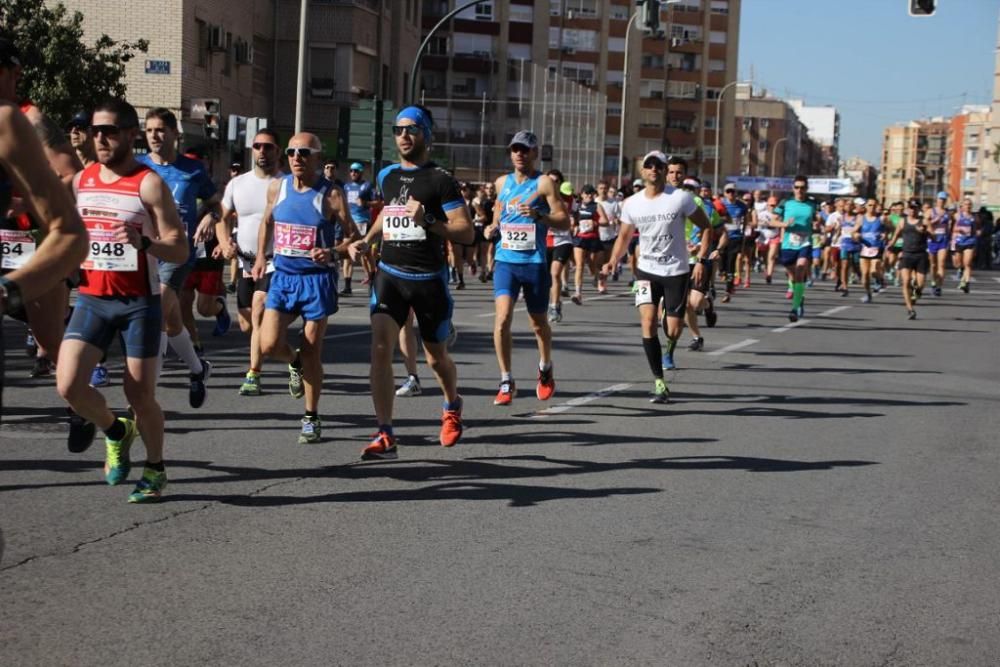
[397, 226]
[109, 254]
[16, 248]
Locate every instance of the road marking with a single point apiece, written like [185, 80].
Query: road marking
[735, 346]
[996, 279]
[353, 333]
[788, 327]
[522, 309]
[833, 311]
[582, 400]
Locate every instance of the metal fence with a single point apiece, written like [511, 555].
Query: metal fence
[475, 122]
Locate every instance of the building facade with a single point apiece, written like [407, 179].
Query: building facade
[914, 160]
[769, 139]
[823, 123]
[862, 173]
[967, 154]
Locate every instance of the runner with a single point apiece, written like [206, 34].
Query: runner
[770, 238]
[965, 236]
[32, 269]
[359, 198]
[587, 248]
[423, 208]
[78, 130]
[456, 251]
[244, 201]
[608, 233]
[299, 222]
[870, 233]
[482, 210]
[188, 182]
[205, 279]
[659, 214]
[850, 249]
[747, 257]
[558, 252]
[795, 216]
[131, 219]
[527, 206]
[735, 230]
[938, 247]
[913, 259]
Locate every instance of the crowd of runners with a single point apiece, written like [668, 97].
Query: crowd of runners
[160, 238]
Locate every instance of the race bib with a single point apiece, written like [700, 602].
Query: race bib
[108, 254]
[291, 240]
[16, 248]
[643, 293]
[869, 252]
[733, 226]
[586, 226]
[940, 231]
[517, 236]
[796, 239]
[353, 197]
[398, 227]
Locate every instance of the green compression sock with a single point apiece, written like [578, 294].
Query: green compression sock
[798, 294]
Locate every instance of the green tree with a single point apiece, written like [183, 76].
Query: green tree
[61, 73]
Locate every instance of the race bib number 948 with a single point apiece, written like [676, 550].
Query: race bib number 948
[109, 254]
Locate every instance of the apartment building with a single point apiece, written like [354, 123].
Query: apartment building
[914, 160]
[990, 166]
[242, 57]
[823, 123]
[769, 139]
[479, 76]
[967, 153]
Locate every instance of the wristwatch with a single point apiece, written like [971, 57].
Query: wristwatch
[10, 296]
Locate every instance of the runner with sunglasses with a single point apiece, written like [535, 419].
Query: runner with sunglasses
[870, 233]
[659, 213]
[423, 209]
[795, 216]
[244, 202]
[360, 196]
[302, 212]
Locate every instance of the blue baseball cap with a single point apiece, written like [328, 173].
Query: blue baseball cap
[942, 195]
[357, 166]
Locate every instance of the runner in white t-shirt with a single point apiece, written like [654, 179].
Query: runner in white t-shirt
[245, 198]
[608, 233]
[659, 214]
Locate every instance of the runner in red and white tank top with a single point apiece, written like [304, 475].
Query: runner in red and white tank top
[113, 267]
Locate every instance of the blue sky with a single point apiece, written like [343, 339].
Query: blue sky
[871, 60]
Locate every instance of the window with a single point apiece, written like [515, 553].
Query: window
[711, 93]
[747, 123]
[438, 46]
[322, 71]
[484, 10]
[583, 8]
[762, 145]
[717, 37]
[686, 62]
[764, 123]
[650, 118]
[618, 12]
[688, 6]
[522, 14]
[469, 43]
[651, 88]
[686, 33]
[616, 44]
[202, 43]
[971, 155]
[614, 77]
[651, 60]
[710, 122]
[614, 109]
[716, 65]
[720, 6]
[686, 90]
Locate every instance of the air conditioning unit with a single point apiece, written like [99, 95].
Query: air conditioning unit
[321, 88]
[216, 38]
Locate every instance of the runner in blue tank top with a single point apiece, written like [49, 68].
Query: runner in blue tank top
[870, 233]
[526, 207]
[360, 195]
[303, 210]
[965, 237]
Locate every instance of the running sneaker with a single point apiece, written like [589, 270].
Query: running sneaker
[725, 298]
[793, 315]
[482, 277]
[668, 362]
[312, 431]
[345, 292]
[711, 317]
[410, 388]
[251, 384]
[844, 292]
[197, 391]
[937, 291]
[99, 376]
[116, 461]
[30, 345]
[42, 368]
[633, 287]
[746, 284]
[382, 446]
[964, 286]
[81, 433]
[918, 292]
[696, 344]
[451, 427]
[577, 299]
[877, 287]
[150, 486]
[767, 278]
[461, 284]
[552, 314]
[911, 314]
[546, 385]
[564, 292]
[660, 393]
[558, 312]
[867, 298]
[452, 335]
[296, 387]
[809, 282]
[223, 321]
[231, 288]
[508, 390]
[367, 279]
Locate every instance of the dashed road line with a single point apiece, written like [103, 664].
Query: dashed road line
[582, 400]
[735, 346]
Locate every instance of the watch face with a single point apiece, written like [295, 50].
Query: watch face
[429, 219]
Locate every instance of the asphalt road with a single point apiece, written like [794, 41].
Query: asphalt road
[824, 494]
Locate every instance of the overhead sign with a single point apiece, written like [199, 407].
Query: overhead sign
[157, 67]
[820, 185]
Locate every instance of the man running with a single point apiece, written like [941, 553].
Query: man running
[526, 207]
[360, 195]
[300, 221]
[423, 209]
[659, 213]
[188, 182]
[244, 200]
[735, 229]
[937, 249]
[795, 216]
[131, 219]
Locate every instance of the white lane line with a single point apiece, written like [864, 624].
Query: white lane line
[788, 327]
[996, 279]
[833, 311]
[582, 400]
[735, 346]
[523, 309]
[363, 332]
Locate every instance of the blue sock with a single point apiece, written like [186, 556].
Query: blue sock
[456, 405]
[385, 428]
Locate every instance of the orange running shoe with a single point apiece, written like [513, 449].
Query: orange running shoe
[382, 446]
[546, 385]
[506, 394]
[451, 427]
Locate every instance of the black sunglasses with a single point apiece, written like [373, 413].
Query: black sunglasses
[799, 187]
[263, 146]
[412, 130]
[106, 130]
[299, 152]
[76, 126]
[520, 148]
[653, 164]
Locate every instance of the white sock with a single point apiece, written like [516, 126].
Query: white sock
[544, 367]
[185, 349]
[163, 351]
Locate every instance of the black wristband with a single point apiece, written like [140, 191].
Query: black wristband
[146, 242]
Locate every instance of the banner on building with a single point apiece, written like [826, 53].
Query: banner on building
[819, 185]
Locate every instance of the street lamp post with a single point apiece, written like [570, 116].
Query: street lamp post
[718, 126]
[621, 128]
[774, 153]
[415, 76]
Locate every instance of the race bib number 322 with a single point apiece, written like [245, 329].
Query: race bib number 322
[397, 226]
[517, 236]
[109, 254]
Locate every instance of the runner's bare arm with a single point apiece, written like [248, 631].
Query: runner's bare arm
[65, 244]
[62, 158]
[211, 213]
[171, 244]
[558, 218]
[458, 227]
[265, 231]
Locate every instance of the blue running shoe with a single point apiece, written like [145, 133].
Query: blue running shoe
[668, 362]
[99, 376]
[223, 320]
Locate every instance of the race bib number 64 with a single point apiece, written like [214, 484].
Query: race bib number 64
[16, 248]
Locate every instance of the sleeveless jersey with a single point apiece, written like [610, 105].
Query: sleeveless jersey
[939, 225]
[587, 221]
[299, 226]
[871, 233]
[522, 240]
[847, 242]
[358, 194]
[114, 268]
[964, 229]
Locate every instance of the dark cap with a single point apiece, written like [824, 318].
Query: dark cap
[79, 119]
[589, 189]
[10, 55]
[524, 138]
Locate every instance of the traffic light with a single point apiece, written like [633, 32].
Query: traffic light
[922, 7]
[651, 17]
[213, 120]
